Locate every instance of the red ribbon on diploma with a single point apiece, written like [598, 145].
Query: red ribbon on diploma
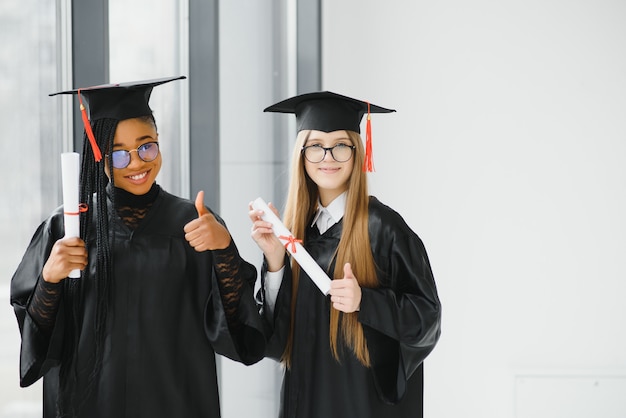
[290, 240]
[81, 208]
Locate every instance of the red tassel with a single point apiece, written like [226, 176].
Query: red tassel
[368, 163]
[97, 155]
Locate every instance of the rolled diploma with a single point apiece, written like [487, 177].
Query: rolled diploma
[315, 272]
[70, 169]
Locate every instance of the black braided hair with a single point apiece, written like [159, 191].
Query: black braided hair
[93, 183]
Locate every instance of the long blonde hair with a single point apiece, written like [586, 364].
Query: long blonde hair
[354, 244]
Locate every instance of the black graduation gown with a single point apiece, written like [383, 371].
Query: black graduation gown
[401, 322]
[165, 324]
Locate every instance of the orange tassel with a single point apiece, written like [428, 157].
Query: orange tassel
[97, 155]
[368, 163]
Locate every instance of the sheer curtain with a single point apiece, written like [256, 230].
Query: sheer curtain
[31, 145]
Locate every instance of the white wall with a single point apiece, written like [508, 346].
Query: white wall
[506, 156]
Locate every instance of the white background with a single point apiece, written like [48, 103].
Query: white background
[507, 156]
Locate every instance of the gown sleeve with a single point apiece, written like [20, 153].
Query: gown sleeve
[277, 324]
[44, 304]
[401, 318]
[41, 348]
[233, 322]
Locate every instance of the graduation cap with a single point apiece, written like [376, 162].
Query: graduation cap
[327, 111]
[115, 101]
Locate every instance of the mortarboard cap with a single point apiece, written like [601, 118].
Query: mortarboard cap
[327, 111]
[115, 101]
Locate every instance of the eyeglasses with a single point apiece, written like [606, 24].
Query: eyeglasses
[316, 153]
[147, 152]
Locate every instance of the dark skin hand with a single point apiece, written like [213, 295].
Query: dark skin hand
[67, 254]
[205, 232]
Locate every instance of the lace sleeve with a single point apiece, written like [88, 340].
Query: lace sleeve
[230, 282]
[44, 304]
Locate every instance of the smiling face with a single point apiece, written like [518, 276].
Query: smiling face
[137, 178]
[330, 176]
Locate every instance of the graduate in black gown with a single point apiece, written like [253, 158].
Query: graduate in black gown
[162, 287]
[358, 352]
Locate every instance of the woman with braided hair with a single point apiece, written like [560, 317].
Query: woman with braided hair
[162, 287]
[359, 351]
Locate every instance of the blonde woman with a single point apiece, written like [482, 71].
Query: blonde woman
[359, 351]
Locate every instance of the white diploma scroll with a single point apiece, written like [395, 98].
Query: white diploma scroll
[70, 169]
[297, 251]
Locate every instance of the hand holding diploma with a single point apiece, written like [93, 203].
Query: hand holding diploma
[263, 234]
[70, 171]
[68, 254]
[293, 246]
[205, 232]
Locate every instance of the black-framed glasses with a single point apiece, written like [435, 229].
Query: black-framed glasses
[316, 153]
[147, 152]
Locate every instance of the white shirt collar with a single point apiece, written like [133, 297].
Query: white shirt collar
[331, 214]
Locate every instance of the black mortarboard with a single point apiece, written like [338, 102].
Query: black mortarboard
[327, 111]
[115, 101]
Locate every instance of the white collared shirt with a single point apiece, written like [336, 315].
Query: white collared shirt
[324, 219]
[331, 214]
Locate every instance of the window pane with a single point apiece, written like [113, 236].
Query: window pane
[153, 53]
[30, 170]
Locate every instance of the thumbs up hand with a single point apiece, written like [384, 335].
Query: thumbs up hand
[205, 232]
[345, 294]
